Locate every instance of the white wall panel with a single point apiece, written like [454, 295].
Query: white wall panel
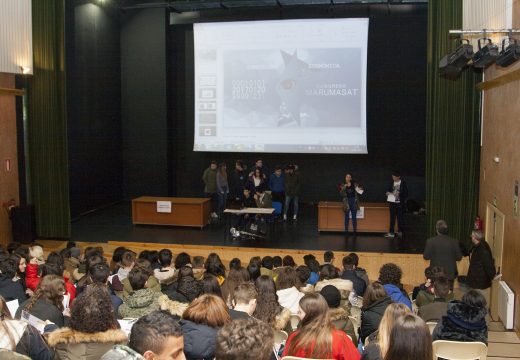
[487, 14]
[15, 36]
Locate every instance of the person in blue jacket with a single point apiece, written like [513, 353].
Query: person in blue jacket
[277, 184]
[390, 276]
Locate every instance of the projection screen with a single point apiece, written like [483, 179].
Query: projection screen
[284, 86]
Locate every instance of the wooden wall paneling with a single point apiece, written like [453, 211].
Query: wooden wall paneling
[8, 151]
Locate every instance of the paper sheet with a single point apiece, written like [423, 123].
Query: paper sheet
[13, 306]
[126, 325]
[359, 190]
[390, 198]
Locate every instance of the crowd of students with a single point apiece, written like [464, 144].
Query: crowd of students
[199, 308]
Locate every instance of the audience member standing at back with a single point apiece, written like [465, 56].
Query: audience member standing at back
[481, 265]
[443, 250]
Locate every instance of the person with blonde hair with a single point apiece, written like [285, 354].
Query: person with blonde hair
[318, 338]
[379, 340]
[200, 324]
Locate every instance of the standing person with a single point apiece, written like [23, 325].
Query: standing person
[222, 188]
[443, 250]
[292, 191]
[256, 181]
[481, 269]
[259, 164]
[210, 185]
[349, 192]
[318, 338]
[277, 184]
[398, 189]
[238, 181]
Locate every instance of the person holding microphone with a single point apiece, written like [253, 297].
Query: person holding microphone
[350, 192]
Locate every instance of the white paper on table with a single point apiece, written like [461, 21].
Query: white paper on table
[390, 198]
[164, 207]
[126, 325]
[35, 322]
[13, 306]
[66, 301]
[359, 190]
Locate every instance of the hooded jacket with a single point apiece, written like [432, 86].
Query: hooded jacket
[122, 352]
[462, 322]
[71, 344]
[199, 340]
[397, 295]
[341, 321]
[290, 298]
[140, 303]
[371, 317]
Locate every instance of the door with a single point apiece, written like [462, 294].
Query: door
[495, 237]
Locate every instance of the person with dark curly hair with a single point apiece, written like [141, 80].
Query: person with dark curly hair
[245, 339]
[47, 301]
[186, 288]
[390, 276]
[93, 327]
[267, 308]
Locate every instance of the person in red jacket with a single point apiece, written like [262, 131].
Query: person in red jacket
[318, 338]
[54, 266]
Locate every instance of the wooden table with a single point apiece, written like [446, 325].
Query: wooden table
[184, 211]
[332, 218]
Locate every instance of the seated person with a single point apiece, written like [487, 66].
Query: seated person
[245, 339]
[152, 282]
[390, 276]
[426, 296]
[465, 320]
[349, 273]
[244, 301]
[154, 336]
[198, 267]
[435, 310]
[127, 263]
[99, 274]
[429, 274]
[362, 273]
[267, 266]
[263, 199]
[10, 289]
[338, 315]
[329, 276]
[166, 273]
[143, 300]
[304, 273]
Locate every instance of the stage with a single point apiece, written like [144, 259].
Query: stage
[115, 224]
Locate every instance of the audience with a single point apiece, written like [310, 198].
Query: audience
[435, 310]
[166, 273]
[245, 339]
[19, 336]
[244, 301]
[154, 336]
[142, 300]
[225, 315]
[47, 301]
[379, 341]
[267, 308]
[349, 273]
[375, 302]
[410, 339]
[465, 320]
[93, 327]
[287, 285]
[200, 324]
[317, 338]
[339, 316]
[390, 276]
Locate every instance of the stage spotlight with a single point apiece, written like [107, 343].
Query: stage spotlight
[452, 64]
[510, 54]
[486, 55]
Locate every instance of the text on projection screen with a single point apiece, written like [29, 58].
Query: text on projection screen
[287, 86]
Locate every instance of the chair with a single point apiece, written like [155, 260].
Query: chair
[431, 325]
[280, 337]
[295, 321]
[458, 350]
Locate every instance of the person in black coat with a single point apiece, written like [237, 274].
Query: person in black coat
[481, 269]
[237, 181]
[375, 302]
[349, 273]
[465, 320]
[399, 189]
[443, 250]
[9, 289]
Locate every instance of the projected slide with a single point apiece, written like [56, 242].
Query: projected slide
[292, 86]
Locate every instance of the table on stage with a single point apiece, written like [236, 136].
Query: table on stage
[376, 217]
[175, 211]
[244, 211]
